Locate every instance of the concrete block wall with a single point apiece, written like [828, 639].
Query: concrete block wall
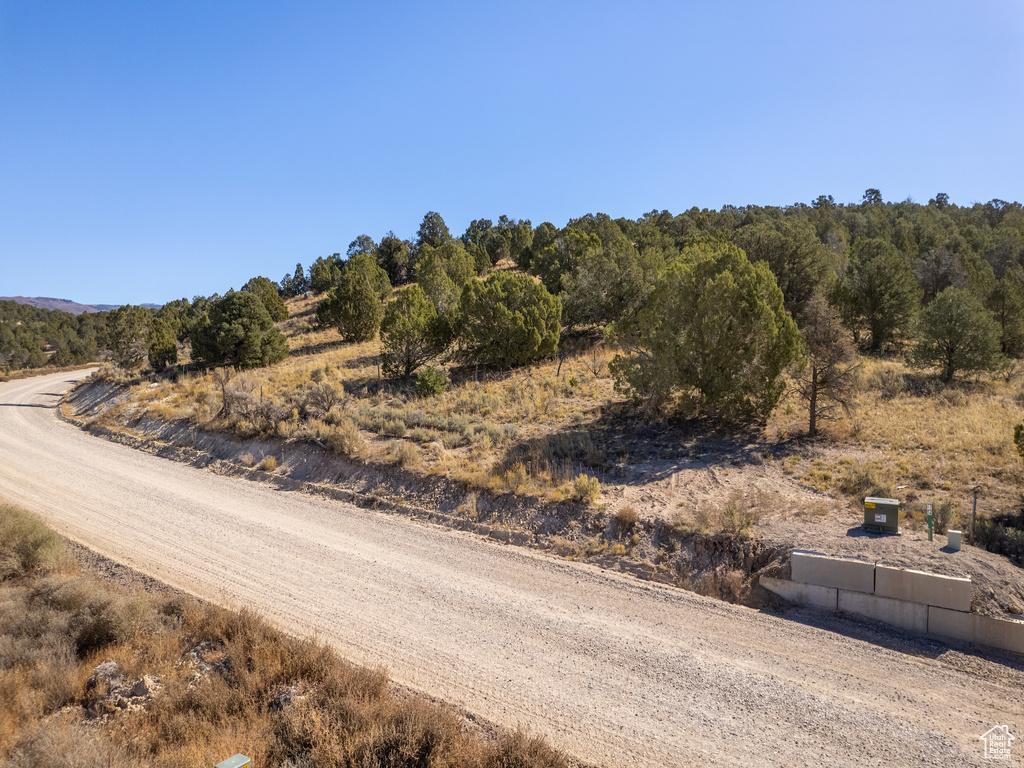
[975, 628]
[803, 594]
[950, 592]
[837, 572]
[912, 617]
[926, 603]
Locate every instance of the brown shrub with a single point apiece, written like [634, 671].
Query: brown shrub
[27, 545]
[625, 519]
[586, 489]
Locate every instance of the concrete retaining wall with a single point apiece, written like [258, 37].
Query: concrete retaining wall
[912, 617]
[975, 628]
[926, 603]
[802, 594]
[837, 572]
[919, 587]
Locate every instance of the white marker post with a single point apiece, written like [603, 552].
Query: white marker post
[929, 521]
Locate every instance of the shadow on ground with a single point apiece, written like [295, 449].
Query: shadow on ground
[620, 447]
[886, 636]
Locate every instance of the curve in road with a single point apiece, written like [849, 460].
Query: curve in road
[611, 669]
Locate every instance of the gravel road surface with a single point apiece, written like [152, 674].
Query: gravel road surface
[614, 670]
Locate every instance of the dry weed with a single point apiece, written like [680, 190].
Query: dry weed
[227, 682]
[736, 515]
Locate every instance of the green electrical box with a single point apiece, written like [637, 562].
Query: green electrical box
[881, 515]
[236, 761]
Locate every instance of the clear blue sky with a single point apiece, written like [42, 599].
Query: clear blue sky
[153, 150]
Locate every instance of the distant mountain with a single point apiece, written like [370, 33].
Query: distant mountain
[66, 305]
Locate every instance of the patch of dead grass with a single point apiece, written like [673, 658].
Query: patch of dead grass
[228, 682]
[926, 438]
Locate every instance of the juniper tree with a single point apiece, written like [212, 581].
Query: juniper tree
[355, 304]
[409, 333]
[713, 338]
[127, 336]
[269, 293]
[238, 331]
[957, 334]
[163, 345]
[507, 320]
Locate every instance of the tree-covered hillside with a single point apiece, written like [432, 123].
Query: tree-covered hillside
[879, 263]
[876, 264]
[32, 337]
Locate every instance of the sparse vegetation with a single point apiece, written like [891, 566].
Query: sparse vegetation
[481, 418]
[860, 480]
[735, 515]
[944, 515]
[486, 421]
[27, 547]
[431, 381]
[586, 488]
[117, 680]
[1003, 534]
[625, 519]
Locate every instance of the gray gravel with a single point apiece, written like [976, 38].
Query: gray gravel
[614, 670]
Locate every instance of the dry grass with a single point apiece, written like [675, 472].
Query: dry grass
[532, 431]
[736, 515]
[917, 438]
[625, 520]
[332, 394]
[586, 489]
[227, 682]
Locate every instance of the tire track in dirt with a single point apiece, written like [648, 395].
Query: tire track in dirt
[614, 670]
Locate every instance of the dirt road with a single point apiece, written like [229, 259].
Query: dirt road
[612, 669]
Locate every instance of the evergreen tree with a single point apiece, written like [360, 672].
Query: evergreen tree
[354, 305]
[393, 256]
[270, 295]
[408, 333]
[324, 273]
[362, 245]
[238, 331]
[508, 320]
[793, 253]
[442, 272]
[433, 231]
[559, 257]
[127, 336]
[367, 265]
[163, 345]
[610, 280]
[882, 290]
[714, 325]
[1007, 305]
[957, 334]
[295, 283]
